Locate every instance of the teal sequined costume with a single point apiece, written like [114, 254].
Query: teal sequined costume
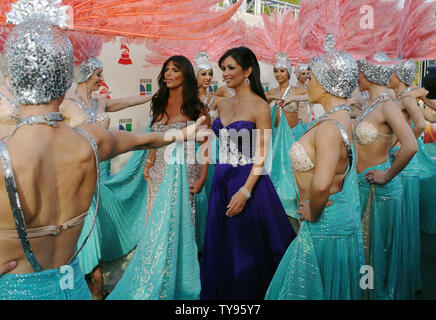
[164, 264]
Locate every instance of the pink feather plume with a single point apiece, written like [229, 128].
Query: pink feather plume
[233, 35]
[345, 20]
[278, 33]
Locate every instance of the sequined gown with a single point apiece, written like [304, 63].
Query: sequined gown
[323, 262]
[164, 264]
[241, 253]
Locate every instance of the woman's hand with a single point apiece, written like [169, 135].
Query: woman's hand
[237, 204]
[196, 186]
[190, 132]
[305, 212]
[7, 267]
[148, 164]
[376, 176]
[418, 92]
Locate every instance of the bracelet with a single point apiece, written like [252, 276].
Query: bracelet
[149, 161]
[246, 193]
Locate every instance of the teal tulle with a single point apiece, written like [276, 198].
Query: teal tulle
[45, 285]
[322, 263]
[281, 167]
[411, 191]
[121, 213]
[385, 235]
[427, 200]
[164, 264]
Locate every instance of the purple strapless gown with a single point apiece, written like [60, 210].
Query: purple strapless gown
[241, 253]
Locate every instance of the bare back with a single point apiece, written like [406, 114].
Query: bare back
[55, 173]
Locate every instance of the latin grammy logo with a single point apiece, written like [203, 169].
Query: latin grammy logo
[104, 90]
[125, 55]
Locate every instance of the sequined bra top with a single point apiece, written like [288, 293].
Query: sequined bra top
[92, 116]
[302, 162]
[23, 234]
[365, 132]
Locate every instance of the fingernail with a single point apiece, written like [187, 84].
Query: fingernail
[12, 264]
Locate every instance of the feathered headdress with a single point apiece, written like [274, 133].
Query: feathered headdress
[136, 19]
[414, 37]
[199, 52]
[353, 32]
[276, 42]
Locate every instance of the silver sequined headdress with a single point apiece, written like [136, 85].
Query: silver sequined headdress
[406, 71]
[38, 55]
[300, 67]
[87, 69]
[201, 62]
[282, 61]
[377, 69]
[336, 71]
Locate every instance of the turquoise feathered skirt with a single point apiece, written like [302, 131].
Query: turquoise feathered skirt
[46, 285]
[385, 237]
[323, 261]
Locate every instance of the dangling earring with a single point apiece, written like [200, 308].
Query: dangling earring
[247, 81]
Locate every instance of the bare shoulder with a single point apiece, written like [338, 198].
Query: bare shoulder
[389, 107]
[260, 106]
[327, 132]
[224, 102]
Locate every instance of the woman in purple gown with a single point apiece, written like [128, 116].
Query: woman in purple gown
[247, 230]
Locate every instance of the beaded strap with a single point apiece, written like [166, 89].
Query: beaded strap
[50, 118]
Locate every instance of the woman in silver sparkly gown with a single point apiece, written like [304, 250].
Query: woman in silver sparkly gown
[164, 264]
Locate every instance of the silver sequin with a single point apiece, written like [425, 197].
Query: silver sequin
[377, 73]
[405, 71]
[87, 69]
[39, 59]
[201, 62]
[44, 10]
[157, 171]
[282, 61]
[336, 71]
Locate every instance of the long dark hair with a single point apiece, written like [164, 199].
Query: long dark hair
[246, 59]
[191, 105]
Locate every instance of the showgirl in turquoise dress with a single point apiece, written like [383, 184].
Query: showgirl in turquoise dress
[386, 240]
[324, 261]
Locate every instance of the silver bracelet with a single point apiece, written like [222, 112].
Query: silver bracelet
[246, 193]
